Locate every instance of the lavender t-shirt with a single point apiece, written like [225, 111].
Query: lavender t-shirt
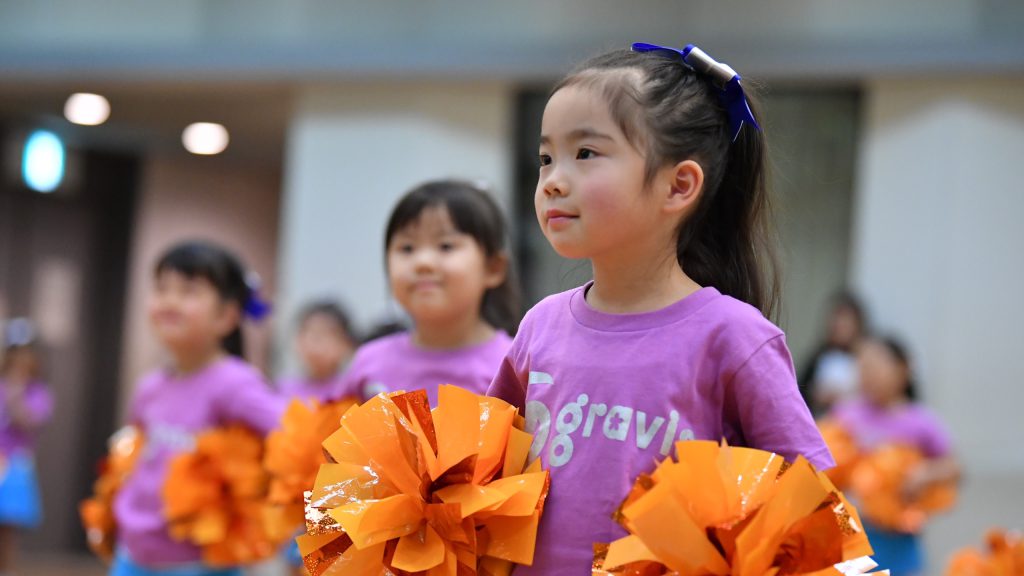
[394, 363]
[172, 410]
[910, 423]
[309, 388]
[607, 396]
[37, 405]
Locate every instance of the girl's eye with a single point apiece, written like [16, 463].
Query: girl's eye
[585, 154]
[405, 248]
[545, 159]
[447, 246]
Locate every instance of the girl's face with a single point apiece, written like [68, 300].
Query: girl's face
[323, 345]
[883, 377]
[843, 326]
[20, 364]
[438, 273]
[188, 314]
[590, 194]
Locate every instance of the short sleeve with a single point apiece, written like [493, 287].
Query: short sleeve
[250, 401]
[935, 440]
[767, 410]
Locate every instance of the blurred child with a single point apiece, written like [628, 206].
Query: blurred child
[889, 413]
[831, 374]
[448, 267]
[196, 308]
[25, 405]
[325, 343]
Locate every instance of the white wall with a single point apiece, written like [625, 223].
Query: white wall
[937, 253]
[352, 151]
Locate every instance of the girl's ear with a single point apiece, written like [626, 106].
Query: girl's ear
[496, 270]
[685, 184]
[230, 316]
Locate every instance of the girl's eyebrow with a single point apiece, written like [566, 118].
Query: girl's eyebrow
[579, 134]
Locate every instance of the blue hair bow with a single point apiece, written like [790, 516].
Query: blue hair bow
[724, 77]
[255, 307]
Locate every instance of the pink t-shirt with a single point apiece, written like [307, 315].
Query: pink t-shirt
[911, 424]
[394, 363]
[37, 405]
[171, 411]
[607, 396]
[310, 389]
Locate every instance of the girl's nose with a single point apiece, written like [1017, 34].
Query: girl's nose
[554, 183]
[424, 260]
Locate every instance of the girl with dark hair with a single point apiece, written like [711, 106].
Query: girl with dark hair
[325, 343]
[26, 404]
[449, 269]
[887, 413]
[652, 166]
[196, 308]
[830, 376]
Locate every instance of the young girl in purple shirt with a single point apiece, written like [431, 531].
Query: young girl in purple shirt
[652, 166]
[196, 308]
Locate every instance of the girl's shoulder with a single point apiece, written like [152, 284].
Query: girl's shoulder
[370, 356]
[550, 308]
[383, 346]
[234, 370]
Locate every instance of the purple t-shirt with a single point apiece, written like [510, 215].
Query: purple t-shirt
[910, 423]
[394, 363]
[607, 396]
[310, 389]
[37, 404]
[171, 411]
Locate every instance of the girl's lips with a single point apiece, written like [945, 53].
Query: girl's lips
[558, 214]
[558, 219]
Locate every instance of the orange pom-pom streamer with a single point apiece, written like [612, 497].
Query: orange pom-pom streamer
[415, 491]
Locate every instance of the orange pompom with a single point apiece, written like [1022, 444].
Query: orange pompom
[878, 481]
[844, 451]
[414, 491]
[293, 457]
[722, 510]
[97, 512]
[1004, 557]
[213, 497]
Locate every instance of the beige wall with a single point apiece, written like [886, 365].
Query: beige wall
[936, 251]
[185, 197]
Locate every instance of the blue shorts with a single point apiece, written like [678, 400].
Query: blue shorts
[291, 554]
[124, 566]
[20, 504]
[898, 552]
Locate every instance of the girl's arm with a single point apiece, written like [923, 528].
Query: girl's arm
[941, 466]
[933, 471]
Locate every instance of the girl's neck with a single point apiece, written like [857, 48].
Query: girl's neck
[452, 334]
[631, 283]
[323, 376]
[890, 403]
[187, 362]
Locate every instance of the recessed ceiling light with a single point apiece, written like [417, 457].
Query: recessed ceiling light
[205, 138]
[87, 109]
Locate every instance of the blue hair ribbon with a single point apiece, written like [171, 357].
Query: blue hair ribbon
[255, 306]
[724, 78]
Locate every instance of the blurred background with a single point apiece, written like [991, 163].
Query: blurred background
[897, 132]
